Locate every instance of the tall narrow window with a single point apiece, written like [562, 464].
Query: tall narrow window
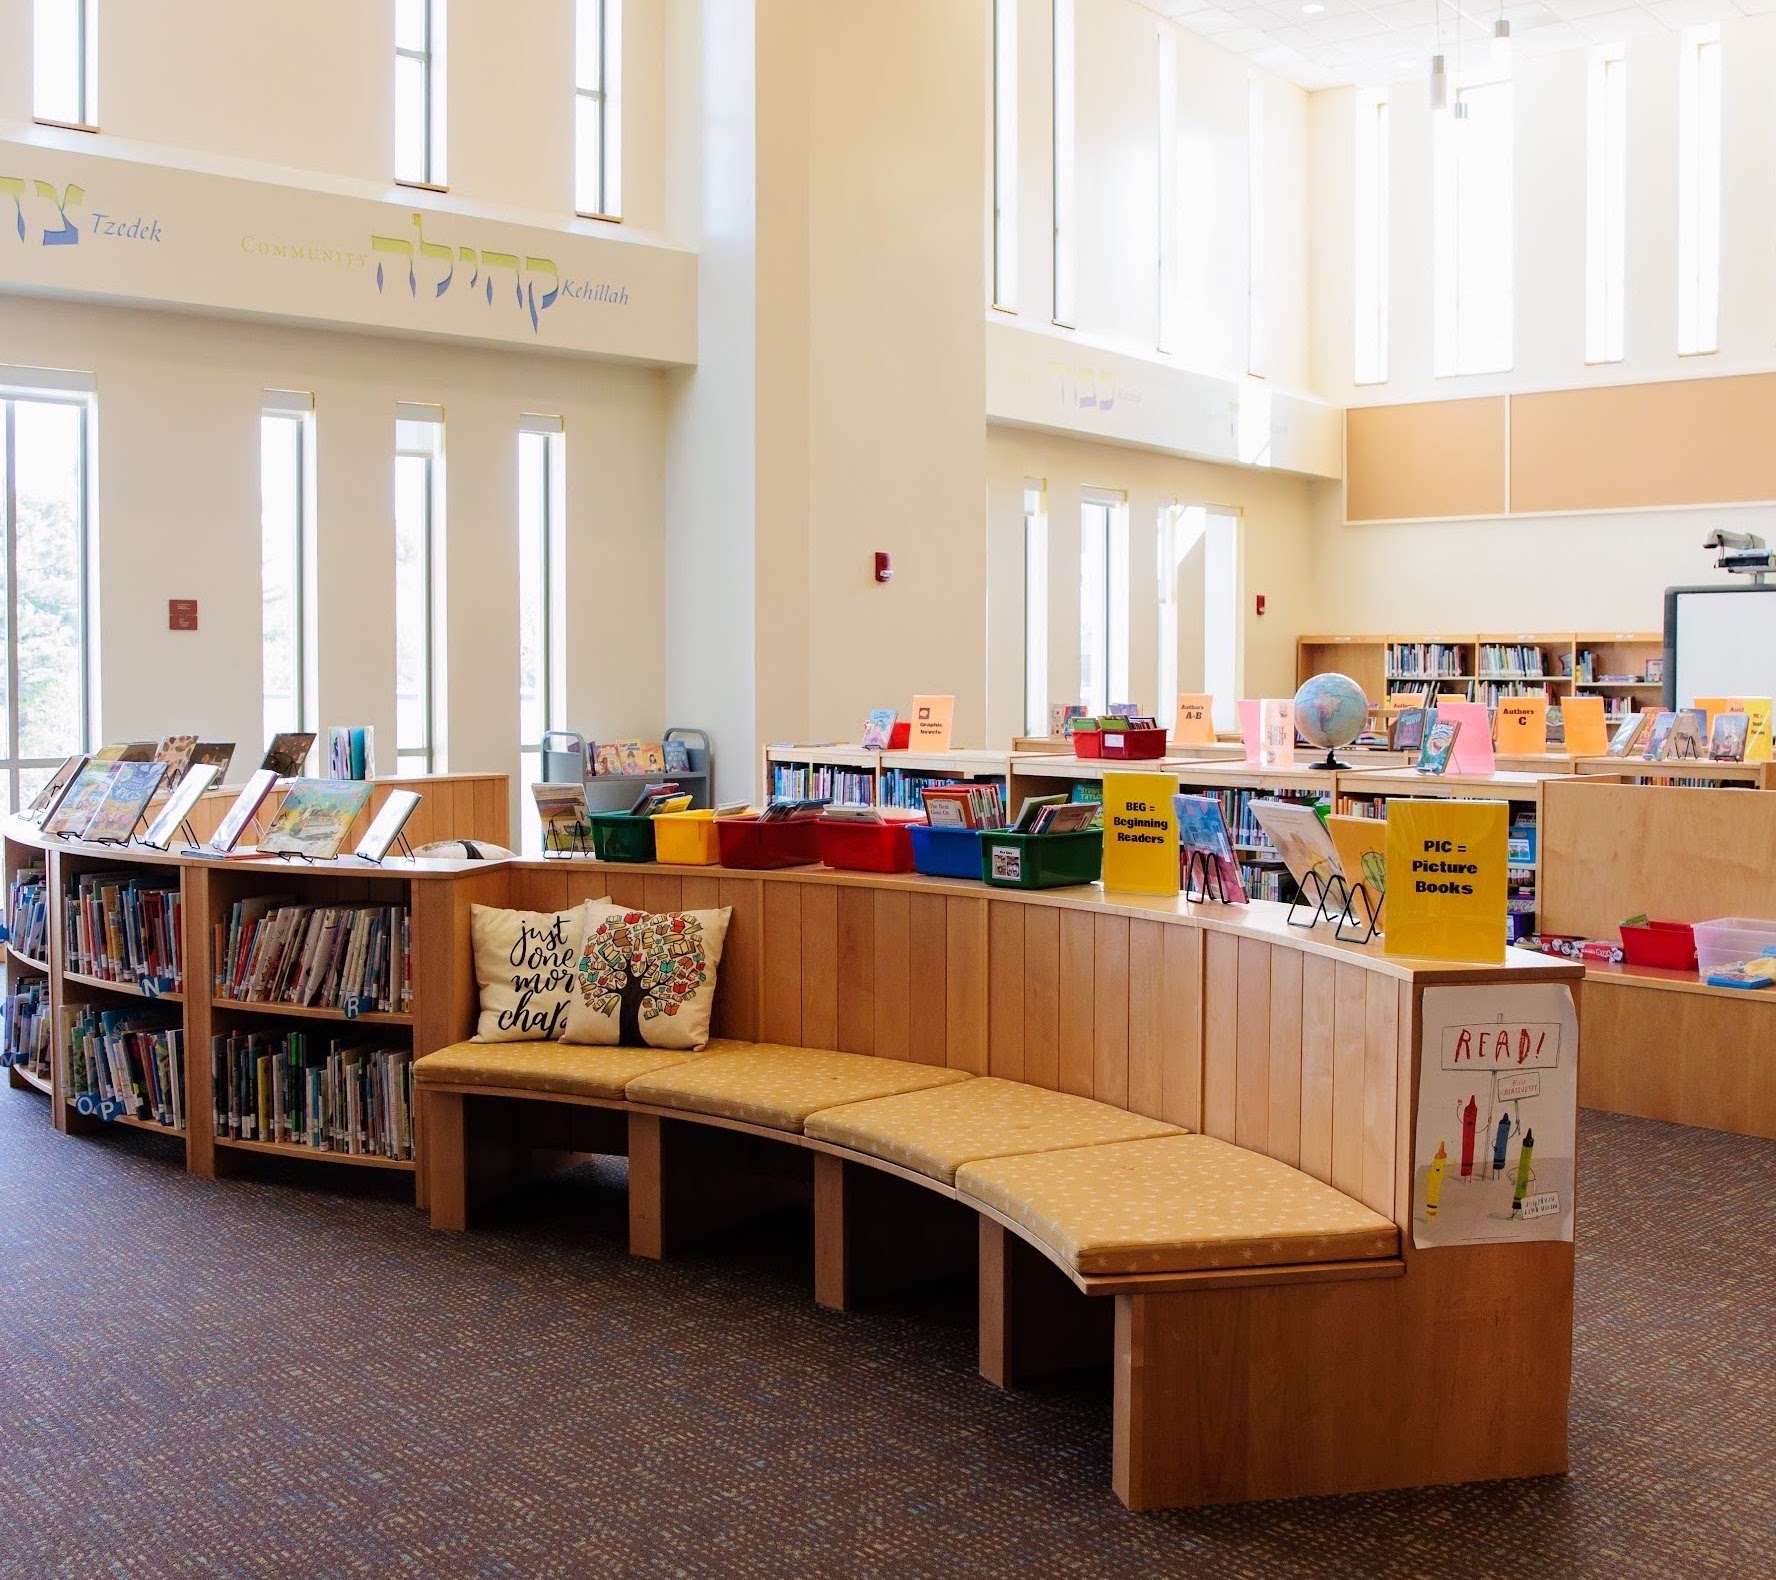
[1371, 271]
[1606, 203]
[286, 429]
[1103, 601]
[1065, 242]
[1257, 266]
[1698, 191]
[419, 92]
[542, 587]
[1222, 669]
[419, 587]
[1472, 219]
[1167, 195]
[1005, 154]
[45, 689]
[598, 108]
[1035, 608]
[1180, 532]
[65, 62]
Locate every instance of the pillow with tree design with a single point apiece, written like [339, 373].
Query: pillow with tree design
[646, 979]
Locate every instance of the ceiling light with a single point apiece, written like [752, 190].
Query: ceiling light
[1439, 84]
[1312, 8]
[1501, 40]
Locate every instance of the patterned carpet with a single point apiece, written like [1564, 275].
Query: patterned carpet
[287, 1375]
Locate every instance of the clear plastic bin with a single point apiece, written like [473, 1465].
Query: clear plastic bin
[1729, 939]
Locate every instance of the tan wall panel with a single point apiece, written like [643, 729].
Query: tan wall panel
[1434, 458]
[1687, 442]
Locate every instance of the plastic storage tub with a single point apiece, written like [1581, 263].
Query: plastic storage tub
[866, 847]
[622, 836]
[752, 845]
[1670, 945]
[1087, 744]
[1730, 939]
[1041, 861]
[947, 852]
[687, 839]
[1133, 745]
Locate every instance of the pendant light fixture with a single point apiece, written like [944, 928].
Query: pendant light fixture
[1501, 38]
[1439, 72]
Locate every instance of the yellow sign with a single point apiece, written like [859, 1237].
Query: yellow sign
[1757, 740]
[1446, 879]
[1195, 724]
[930, 731]
[1140, 833]
[1522, 726]
[1587, 732]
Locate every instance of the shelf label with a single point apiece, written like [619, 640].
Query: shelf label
[352, 1007]
[150, 988]
[1008, 863]
[5, 933]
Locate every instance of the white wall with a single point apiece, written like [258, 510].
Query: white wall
[177, 511]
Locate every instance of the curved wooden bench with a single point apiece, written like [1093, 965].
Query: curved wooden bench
[1181, 1135]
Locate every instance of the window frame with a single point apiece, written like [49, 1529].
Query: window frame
[606, 99]
[1115, 612]
[1064, 161]
[86, 32]
[1700, 157]
[551, 551]
[12, 764]
[1004, 289]
[1450, 346]
[1372, 232]
[433, 176]
[291, 408]
[1036, 606]
[1606, 203]
[431, 752]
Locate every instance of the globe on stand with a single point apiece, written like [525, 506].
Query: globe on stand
[1330, 711]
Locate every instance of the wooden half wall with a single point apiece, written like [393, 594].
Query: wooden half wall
[1682, 442]
[451, 806]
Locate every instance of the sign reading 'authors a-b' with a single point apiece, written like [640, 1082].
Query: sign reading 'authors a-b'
[1447, 890]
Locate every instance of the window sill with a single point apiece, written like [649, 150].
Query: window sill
[607, 219]
[1712, 351]
[1000, 307]
[63, 126]
[420, 186]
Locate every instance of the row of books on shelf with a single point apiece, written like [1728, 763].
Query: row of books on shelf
[629, 758]
[291, 1089]
[1426, 658]
[815, 782]
[128, 1061]
[1514, 658]
[27, 912]
[1492, 692]
[26, 1021]
[906, 787]
[352, 957]
[1590, 670]
[126, 927]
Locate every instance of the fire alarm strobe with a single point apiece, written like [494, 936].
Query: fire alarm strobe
[884, 566]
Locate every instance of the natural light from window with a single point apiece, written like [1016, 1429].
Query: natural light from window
[1472, 252]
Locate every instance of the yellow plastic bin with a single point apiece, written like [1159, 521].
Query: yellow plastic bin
[687, 839]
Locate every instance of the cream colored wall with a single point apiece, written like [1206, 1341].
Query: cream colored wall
[176, 497]
[1276, 512]
[1568, 572]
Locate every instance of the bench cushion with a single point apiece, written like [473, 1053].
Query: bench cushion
[937, 1130]
[778, 1086]
[556, 1068]
[1176, 1204]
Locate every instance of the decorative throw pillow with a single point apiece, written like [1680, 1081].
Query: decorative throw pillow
[645, 979]
[524, 961]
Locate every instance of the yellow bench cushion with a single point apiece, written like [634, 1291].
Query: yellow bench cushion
[777, 1086]
[937, 1130]
[1176, 1204]
[560, 1068]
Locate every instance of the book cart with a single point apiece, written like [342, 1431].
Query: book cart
[436, 896]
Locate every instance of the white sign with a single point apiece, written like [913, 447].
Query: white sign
[1498, 1108]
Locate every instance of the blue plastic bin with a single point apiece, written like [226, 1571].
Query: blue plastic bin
[947, 852]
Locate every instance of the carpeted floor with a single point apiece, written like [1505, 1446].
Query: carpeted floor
[291, 1375]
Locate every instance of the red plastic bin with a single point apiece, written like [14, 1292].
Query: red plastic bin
[867, 847]
[1125, 745]
[748, 843]
[1671, 945]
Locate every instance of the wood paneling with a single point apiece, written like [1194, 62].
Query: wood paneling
[1181, 1079]
[780, 1005]
[1284, 1134]
[1220, 1059]
[1349, 1008]
[1626, 446]
[1110, 1010]
[1146, 1018]
[856, 971]
[451, 806]
[1317, 1016]
[894, 974]
[1042, 997]
[965, 985]
[1381, 1041]
[1434, 458]
[820, 965]
[1077, 990]
[928, 954]
[1005, 990]
[1251, 1108]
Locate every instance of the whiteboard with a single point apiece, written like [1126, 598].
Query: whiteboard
[1719, 642]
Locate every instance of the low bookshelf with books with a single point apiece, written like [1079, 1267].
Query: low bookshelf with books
[28, 1048]
[861, 776]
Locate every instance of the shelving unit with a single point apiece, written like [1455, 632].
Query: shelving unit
[21, 968]
[850, 773]
[436, 895]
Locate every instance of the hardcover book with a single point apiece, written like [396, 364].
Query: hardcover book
[1689, 735]
[1408, 730]
[1726, 743]
[86, 792]
[55, 787]
[221, 753]
[1653, 747]
[1202, 833]
[176, 752]
[288, 752]
[1361, 843]
[1438, 745]
[1300, 839]
[315, 817]
[562, 809]
[1627, 733]
[186, 794]
[385, 828]
[132, 787]
[246, 804]
[878, 729]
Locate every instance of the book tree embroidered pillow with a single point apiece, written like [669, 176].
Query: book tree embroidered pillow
[646, 979]
[524, 961]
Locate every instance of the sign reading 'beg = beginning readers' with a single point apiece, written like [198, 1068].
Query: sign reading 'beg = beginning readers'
[1140, 833]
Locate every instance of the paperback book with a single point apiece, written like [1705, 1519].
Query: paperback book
[188, 792]
[355, 958]
[1727, 740]
[55, 787]
[1438, 745]
[562, 810]
[878, 729]
[351, 751]
[979, 805]
[26, 1043]
[385, 828]
[27, 913]
[126, 927]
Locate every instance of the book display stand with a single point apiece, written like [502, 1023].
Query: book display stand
[1358, 922]
[1202, 880]
[1315, 898]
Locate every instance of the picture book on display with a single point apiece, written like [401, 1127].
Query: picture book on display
[662, 797]
[55, 787]
[677, 755]
[1204, 840]
[351, 752]
[176, 751]
[385, 828]
[1438, 745]
[186, 794]
[1032, 806]
[629, 757]
[1063, 817]
[1653, 743]
[1688, 739]
[288, 752]
[562, 809]
[1628, 733]
[132, 787]
[246, 807]
[1063, 715]
[1300, 839]
[86, 791]
[219, 753]
[964, 805]
[1408, 730]
[127, 752]
[1361, 843]
[1727, 740]
[1276, 732]
[792, 808]
[878, 729]
[315, 817]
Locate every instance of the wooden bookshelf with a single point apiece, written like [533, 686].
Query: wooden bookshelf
[451, 806]
[436, 894]
[877, 770]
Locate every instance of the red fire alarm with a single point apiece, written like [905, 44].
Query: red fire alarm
[884, 566]
[181, 614]
[1260, 603]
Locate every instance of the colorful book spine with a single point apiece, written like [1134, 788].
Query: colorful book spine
[120, 928]
[128, 1063]
[292, 1089]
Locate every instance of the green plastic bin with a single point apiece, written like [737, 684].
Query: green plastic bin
[621, 836]
[1041, 861]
